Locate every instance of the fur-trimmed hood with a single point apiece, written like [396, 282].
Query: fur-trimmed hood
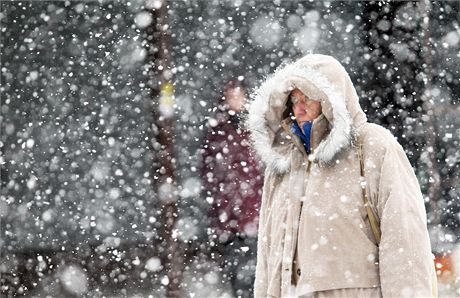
[321, 78]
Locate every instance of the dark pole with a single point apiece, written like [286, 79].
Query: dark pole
[164, 172]
[434, 188]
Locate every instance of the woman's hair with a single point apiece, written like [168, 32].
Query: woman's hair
[288, 111]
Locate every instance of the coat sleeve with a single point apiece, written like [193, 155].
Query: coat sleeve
[261, 278]
[406, 264]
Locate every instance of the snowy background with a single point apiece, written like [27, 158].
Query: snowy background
[86, 206]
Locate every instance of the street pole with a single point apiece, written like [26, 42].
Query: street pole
[164, 176]
[434, 188]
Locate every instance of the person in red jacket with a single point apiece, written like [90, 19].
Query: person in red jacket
[232, 184]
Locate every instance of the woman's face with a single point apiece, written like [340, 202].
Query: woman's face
[304, 109]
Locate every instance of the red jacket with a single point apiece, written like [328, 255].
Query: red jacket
[231, 178]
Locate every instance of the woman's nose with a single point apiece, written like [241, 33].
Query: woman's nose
[300, 106]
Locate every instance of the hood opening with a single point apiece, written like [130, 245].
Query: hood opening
[319, 77]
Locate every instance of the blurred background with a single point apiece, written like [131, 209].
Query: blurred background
[124, 170]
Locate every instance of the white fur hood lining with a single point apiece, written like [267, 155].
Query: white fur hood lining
[268, 103]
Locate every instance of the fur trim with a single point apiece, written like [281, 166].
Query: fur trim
[341, 136]
[261, 134]
[263, 122]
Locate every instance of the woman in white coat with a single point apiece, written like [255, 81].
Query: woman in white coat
[315, 235]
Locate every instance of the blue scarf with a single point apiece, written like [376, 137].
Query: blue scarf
[304, 137]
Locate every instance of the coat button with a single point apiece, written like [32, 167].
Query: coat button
[298, 271]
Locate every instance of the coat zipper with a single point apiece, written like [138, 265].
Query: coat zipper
[311, 149]
[298, 271]
[302, 149]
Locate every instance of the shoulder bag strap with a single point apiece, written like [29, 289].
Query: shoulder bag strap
[373, 218]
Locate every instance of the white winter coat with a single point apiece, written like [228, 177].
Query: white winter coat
[313, 203]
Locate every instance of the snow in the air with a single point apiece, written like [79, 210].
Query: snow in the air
[120, 173]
